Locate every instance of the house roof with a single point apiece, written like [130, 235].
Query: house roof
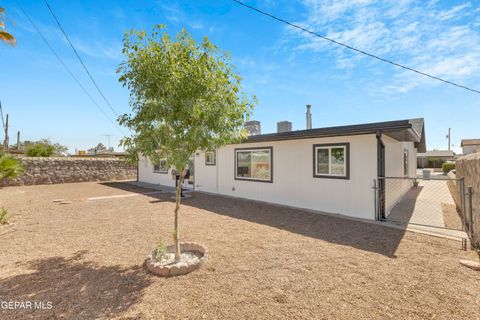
[401, 130]
[470, 142]
[437, 153]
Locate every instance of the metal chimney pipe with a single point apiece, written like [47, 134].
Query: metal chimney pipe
[309, 117]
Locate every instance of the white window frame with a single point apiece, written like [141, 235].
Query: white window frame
[329, 147]
[159, 167]
[270, 153]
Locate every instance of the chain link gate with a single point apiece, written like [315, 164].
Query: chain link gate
[436, 202]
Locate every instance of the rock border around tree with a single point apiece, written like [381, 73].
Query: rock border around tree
[182, 267]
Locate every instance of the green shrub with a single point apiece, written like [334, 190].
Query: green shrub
[10, 167]
[3, 216]
[160, 252]
[448, 166]
[39, 150]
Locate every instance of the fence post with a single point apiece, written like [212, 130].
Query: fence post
[462, 203]
[375, 198]
[470, 211]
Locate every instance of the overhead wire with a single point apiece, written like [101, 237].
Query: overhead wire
[69, 71]
[354, 49]
[79, 58]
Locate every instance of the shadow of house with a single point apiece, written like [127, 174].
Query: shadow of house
[76, 289]
[353, 233]
[402, 212]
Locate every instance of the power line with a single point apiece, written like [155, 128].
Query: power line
[80, 59]
[69, 71]
[354, 49]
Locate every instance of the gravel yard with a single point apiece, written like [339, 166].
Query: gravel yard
[266, 262]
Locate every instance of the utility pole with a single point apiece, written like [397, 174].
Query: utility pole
[5, 142]
[18, 140]
[108, 137]
[448, 137]
[5, 128]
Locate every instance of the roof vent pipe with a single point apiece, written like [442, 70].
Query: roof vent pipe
[309, 117]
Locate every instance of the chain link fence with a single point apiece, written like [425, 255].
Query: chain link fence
[424, 202]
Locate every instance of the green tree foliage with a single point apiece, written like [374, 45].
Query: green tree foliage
[39, 150]
[100, 147]
[5, 36]
[185, 96]
[44, 148]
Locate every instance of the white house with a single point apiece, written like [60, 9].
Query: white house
[325, 169]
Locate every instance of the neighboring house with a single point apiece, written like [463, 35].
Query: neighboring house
[434, 158]
[470, 146]
[325, 169]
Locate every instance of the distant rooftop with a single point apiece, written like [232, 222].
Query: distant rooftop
[470, 142]
[437, 153]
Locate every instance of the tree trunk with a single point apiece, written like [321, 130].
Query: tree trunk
[177, 208]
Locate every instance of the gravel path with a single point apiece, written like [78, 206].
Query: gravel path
[266, 262]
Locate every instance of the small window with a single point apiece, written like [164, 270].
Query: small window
[405, 162]
[254, 164]
[331, 161]
[210, 158]
[161, 166]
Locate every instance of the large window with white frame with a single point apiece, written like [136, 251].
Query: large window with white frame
[331, 160]
[255, 164]
[161, 166]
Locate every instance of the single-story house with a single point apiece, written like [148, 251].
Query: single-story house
[434, 158]
[325, 169]
[470, 146]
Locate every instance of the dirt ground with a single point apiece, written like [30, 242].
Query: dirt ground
[266, 262]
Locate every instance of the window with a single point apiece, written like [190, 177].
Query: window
[210, 158]
[405, 162]
[331, 161]
[254, 164]
[161, 166]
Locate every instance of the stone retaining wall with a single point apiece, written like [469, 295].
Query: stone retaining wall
[70, 169]
[469, 168]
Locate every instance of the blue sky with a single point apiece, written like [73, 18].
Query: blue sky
[284, 68]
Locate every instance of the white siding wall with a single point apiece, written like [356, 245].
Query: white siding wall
[293, 181]
[395, 189]
[146, 174]
[206, 177]
[470, 149]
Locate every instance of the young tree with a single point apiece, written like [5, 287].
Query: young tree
[185, 97]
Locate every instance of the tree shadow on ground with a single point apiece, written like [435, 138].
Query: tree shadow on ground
[334, 229]
[127, 186]
[76, 289]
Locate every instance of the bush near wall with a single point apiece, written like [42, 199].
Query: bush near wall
[40, 170]
[434, 162]
[448, 166]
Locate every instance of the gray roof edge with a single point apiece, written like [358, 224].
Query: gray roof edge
[356, 129]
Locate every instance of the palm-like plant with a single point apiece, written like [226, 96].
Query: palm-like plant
[10, 167]
[4, 35]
